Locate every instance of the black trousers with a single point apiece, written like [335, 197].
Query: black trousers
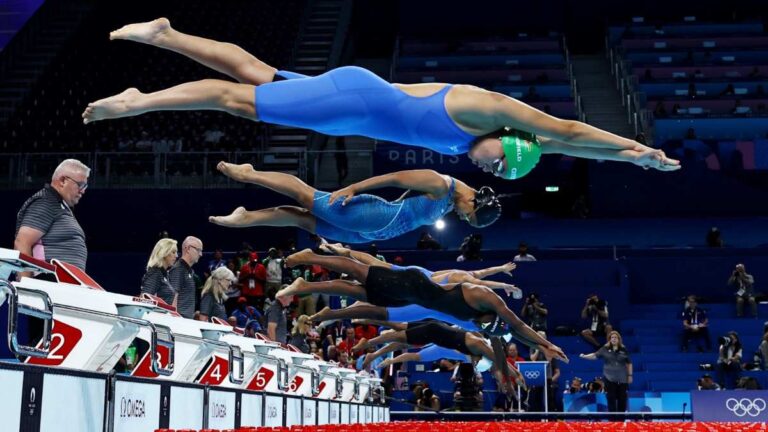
[617, 396]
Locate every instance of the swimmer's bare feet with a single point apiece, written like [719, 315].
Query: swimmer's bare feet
[119, 105]
[240, 173]
[151, 32]
[291, 289]
[234, 219]
[321, 316]
[335, 248]
[301, 257]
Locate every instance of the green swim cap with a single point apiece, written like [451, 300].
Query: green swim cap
[522, 152]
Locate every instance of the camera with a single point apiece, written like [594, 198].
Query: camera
[725, 341]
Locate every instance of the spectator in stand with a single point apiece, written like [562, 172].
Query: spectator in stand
[553, 375]
[155, 280]
[252, 276]
[274, 265]
[344, 360]
[46, 227]
[513, 356]
[332, 353]
[743, 283]
[471, 248]
[427, 242]
[534, 312]
[277, 319]
[617, 368]
[762, 350]
[252, 327]
[428, 401]
[707, 383]
[308, 302]
[596, 312]
[299, 334]
[217, 261]
[245, 313]
[372, 367]
[714, 238]
[575, 387]
[596, 386]
[366, 331]
[522, 253]
[214, 294]
[182, 276]
[234, 292]
[729, 360]
[349, 341]
[695, 326]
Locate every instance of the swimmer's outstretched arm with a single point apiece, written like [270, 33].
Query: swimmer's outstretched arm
[521, 331]
[490, 271]
[427, 181]
[642, 155]
[508, 112]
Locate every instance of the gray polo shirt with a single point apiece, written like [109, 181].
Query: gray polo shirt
[63, 238]
[212, 308]
[155, 282]
[614, 364]
[182, 280]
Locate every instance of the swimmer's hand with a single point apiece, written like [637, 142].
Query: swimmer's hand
[647, 158]
[553, 351]
[508, 267]
[347, 193]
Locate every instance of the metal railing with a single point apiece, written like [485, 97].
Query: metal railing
[179, 170]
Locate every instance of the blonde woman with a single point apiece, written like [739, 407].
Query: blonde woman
[215, 294]
[299, 334]
[155, 280]
[617, 370]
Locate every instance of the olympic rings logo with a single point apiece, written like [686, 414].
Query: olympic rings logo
[742, 407]
[532, 374]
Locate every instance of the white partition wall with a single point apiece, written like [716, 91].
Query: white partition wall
[251, 410]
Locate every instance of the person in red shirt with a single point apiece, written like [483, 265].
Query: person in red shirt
[512, 355]
[253, 276]
[366, 331]
[348, 342]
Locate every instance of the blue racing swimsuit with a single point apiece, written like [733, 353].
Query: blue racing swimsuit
[354, 101]
[368, 218]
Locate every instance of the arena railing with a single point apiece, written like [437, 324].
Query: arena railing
[179, 170]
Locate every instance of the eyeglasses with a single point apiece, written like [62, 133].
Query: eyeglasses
[199, 250]
[82, 186]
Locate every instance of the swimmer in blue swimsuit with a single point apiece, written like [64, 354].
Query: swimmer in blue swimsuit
[362, 218]
[501, 135]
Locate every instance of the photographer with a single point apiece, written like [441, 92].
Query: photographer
[743, 283]
[729, 360]
[695, 326]
[470, 248]
[468, 382]
[534, 313]
[596, 311]
[707, 383]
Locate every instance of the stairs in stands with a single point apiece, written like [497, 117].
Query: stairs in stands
[26, 57]
[653, 336]
[317, 50]
[601, 101]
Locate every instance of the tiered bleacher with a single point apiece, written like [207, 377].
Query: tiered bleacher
[93, 67]
[700, 87]
[530, 68]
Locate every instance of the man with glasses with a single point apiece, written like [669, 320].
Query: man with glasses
[46, 227]
[182, 277]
